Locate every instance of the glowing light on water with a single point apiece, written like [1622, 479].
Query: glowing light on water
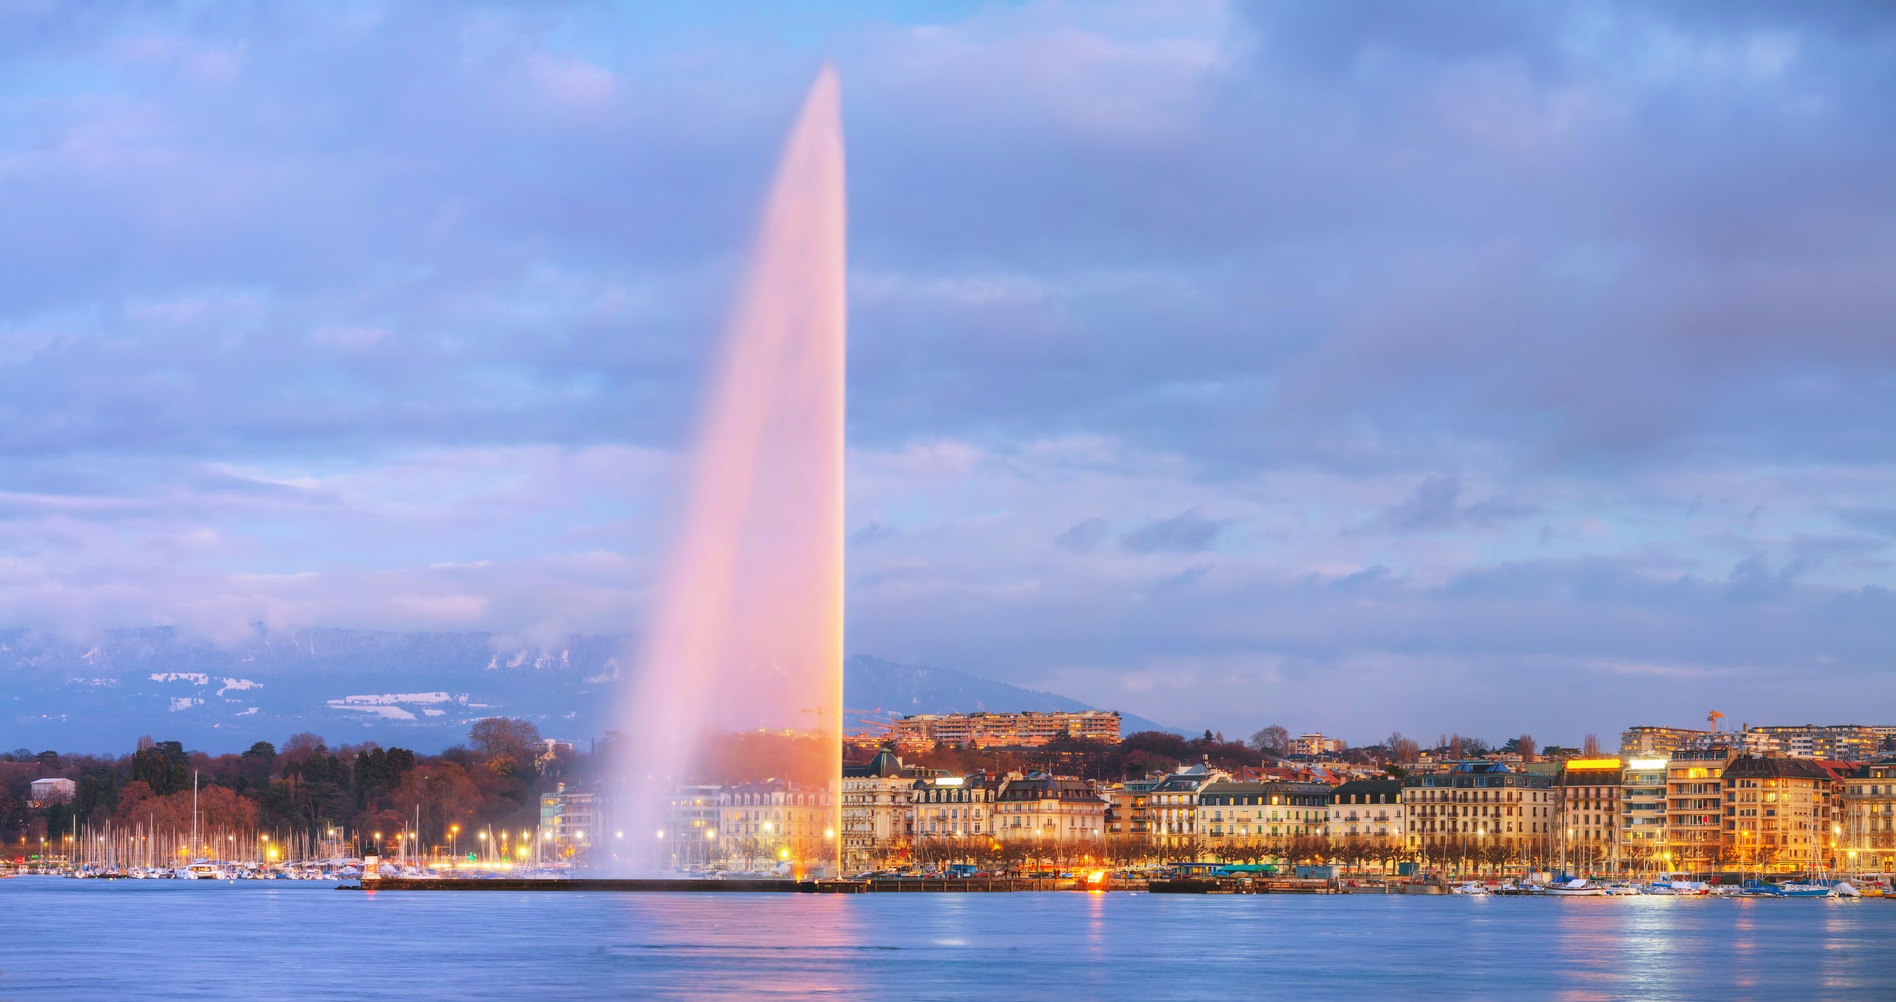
[746, 630]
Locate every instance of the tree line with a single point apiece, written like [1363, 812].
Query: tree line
[307, 787]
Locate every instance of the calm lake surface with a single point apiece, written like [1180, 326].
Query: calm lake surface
[163, 939]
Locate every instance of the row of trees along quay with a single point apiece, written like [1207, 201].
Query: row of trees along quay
[301, 802]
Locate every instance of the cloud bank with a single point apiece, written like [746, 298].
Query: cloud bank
[1516, 365]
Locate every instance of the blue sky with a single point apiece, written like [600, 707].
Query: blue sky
[1480, 367]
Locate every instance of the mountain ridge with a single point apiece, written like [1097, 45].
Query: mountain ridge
[417, 689]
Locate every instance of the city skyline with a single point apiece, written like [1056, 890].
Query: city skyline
[1214, 363]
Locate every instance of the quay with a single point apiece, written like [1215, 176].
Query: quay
[959, 885]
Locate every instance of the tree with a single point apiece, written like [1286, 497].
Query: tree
[1272, 740]
[162, 767]
[1524, 746]
[507, 743]
[1401, 749]
[442, 792]
[1590, 746]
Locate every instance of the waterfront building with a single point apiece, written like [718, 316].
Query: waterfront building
[1587, 816]
[1777, 814]
[951, 806]
[775, 820]
[1368, 810]
[1129, 808]
[1642, 844]
[691, 825]
[1868, 819]
[569, 820]
[1482, 806]
[1229, 811]
[875, 809]
[1694, 810]
[1026, 729]
[1174, 802]
[1049, 809]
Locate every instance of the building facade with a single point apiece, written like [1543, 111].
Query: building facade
[1587, 818]
[1026, 729]
[1479, 804]
[951, 807]
[1695, 840]
[1642, 843]
[1129, 809]
[1777, 814]
[1869, 819]
[875, 809]
[1839, 742]
[1369, 810]
[1048, 809]
[1173, 803]
[776, 821]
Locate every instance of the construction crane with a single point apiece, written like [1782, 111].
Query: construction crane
[1715, 717]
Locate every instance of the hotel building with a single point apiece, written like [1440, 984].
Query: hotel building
[1048, 808]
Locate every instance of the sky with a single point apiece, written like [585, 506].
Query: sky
[1479, 367]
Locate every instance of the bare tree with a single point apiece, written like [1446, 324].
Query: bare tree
[1526, 747]
[1274, 739]
[1590, 747]
[1401, 749]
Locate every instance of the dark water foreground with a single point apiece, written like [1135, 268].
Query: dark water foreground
[161, 939]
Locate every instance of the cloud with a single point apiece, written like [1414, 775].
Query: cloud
[1083, 537]
[1436, 505]
[1185, 532]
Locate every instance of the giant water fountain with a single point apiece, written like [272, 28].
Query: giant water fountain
[746, 629]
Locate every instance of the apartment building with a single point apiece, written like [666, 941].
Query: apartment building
[1838, 742]
[1587, 825]
[1777, 814]
[1642, 842]
[1268, 810]
[1694, 809]
[1368, 810]
[1173, 803]
[1868, 819]
[1477, 800]
[1026, 729]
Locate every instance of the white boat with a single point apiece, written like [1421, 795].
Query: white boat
[1578, 887]
[1845, 889]
[206, 871]
[1622, 891]
[1472, 887]
[1690, 888]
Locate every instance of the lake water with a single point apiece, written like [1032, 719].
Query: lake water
[162, 939]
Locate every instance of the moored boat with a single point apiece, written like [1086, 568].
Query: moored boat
[1578, 887]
